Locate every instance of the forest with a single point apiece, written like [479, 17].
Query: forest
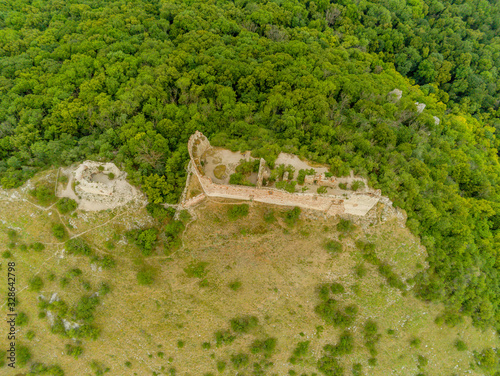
[130, 81]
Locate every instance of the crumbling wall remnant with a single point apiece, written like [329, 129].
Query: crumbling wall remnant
[353, 203]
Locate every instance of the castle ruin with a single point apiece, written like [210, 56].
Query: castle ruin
[212, 167]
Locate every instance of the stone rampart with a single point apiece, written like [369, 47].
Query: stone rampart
[357, 204]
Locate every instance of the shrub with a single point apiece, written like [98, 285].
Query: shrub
[288, 186]
[238, 211]
[345, 225]
[239, 179]
[6, 254]
[357, 369]
[180, 344]
[146, 240]
[30, 334]
[206, 345]
[12, 234]
[35, 283]
[85, 308]
[22, 319]
[360, 270]
[159, 212]
[329, 366]
[111, 176]
[37, 246]
[344, 347]
[224, 337]
[42, 369]
[44, 194]
[321, 190]
[357, 185]
[145, 276]
[66, 205]
[302, 175]
[460, 345]
[23, 355]
[269, 216]
[422, 361]
[337, 288]
[196, 269]
[300, 351]
[333, 247]
[372, 362]
[59, 231]
[243, 324]
[415, 342]
[292, 216]
[239, 360]
[221, 366]
[74, 351]
[343, 186]
[324, 292]
[266, 346]
[236, 285]
[78, 246]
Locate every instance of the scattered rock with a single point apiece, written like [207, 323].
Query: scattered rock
[420, 107]
[395, 95]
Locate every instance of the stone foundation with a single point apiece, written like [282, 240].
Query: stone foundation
[354, 203]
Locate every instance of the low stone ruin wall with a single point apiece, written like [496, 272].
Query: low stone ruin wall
[356, 204]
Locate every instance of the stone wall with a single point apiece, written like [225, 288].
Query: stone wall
[355, 203]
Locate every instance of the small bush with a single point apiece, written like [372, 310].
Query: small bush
[321, 190]
[23, 355]
[224, 337]
[159, 212]
[22, 319]
[357, 185]
[235, 286]
[422, 361]
[180, 344]
[6, 254]
[460, 345]
[35, 283]
[196, 270]
[30, 334]
[415, 342]
[221, 366]
[78, 246]
[343, 186]
[44, 194]
[292, 216]
[145, 276]
[337, 288]
[269, 216]
[357, 369]
[111, 176]
[372, 362]
[12, 234]
[243, 324]
[66, 205]
[345, 225]
[37, 246]
[239, 360]
[266, 346]
[333, 247]
[360, 270]
[206, 345]
[324, 292]
[74, 351]
[238, 211]
[59, 231]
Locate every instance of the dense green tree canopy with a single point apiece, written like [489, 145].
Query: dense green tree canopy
[130, 81]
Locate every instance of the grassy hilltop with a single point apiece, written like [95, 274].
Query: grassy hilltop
[261, 290]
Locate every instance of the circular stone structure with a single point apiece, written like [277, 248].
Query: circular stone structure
[99, 186]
